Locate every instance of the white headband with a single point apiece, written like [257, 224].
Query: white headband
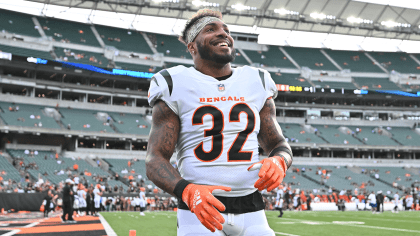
[198, 26]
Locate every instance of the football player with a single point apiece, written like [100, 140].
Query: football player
[215, 116]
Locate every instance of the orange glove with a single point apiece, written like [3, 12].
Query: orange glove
[202, 203]
[272, 172]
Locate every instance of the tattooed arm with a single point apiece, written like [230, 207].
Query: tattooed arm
[162, 139]
[271, 137]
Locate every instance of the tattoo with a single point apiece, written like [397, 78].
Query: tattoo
[164, 172]
[270, 135]
[162, 140]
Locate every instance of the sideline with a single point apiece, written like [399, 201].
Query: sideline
[109, 231]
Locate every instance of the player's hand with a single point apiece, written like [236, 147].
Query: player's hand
[202, 203]
[272, 172]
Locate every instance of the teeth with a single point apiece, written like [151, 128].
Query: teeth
[222, 44]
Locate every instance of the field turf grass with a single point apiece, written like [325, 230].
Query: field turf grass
[292, 223]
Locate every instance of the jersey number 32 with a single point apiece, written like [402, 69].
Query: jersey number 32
[235, 152]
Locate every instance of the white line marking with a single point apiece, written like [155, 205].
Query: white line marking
[11, 233]
[286, 234]
[31, 225]
[109, 231]
[385, 228]
[364, 226]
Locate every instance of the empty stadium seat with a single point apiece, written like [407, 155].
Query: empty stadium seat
[295, 131]
[271, 58]
[375, 83]
[355, 61]
[130, 123]
[334, 136]
[66, 31]
[397, 61]
[124, 39]
[310, 57]
[289, 79]
[79, 119]
[170, 46]
[11, 172]
[18, 23]
[405, 135]
[22, 117]
[372, 138]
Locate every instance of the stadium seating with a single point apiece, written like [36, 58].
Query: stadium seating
[397, 61]
[47, 164]
[139, 167]
[334, 85]
[298, 181]
[295, 132]
[240, 59]
[22, 117]
[310, 57]
[372, 138]
[130, 123]
[412, 87]
[65, 31]
[26, 52]
[83, 57]
[79, 119]
[11, 172]
[405, 135]
[18, 23]
[391, 174]
[334, 136]
[289, 79]
[171, 46]
[355, 61]
[123, 39]
[271, 58]
[137, 67]
[375, 83]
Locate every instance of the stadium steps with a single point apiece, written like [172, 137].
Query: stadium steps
[355, 169]
[315, 181]
[413, 170]
[385, 182]
[397, 141]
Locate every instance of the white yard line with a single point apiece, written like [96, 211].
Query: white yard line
[386, 228]
[357, 225]
[285, 234]
[109, 231]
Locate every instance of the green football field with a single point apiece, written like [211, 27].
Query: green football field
[292, 223]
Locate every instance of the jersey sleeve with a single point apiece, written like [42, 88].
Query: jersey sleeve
[270, 86]
[160, 90]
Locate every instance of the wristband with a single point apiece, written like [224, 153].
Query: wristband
[283, 149]
[179, 188]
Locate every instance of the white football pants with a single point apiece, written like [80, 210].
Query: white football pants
[247, 224]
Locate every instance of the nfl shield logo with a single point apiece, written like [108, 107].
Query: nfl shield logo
[221, 87]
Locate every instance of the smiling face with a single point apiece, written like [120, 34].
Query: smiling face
[214, 43]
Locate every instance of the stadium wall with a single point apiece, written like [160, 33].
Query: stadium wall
[21, 201]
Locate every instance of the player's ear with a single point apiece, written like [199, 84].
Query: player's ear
[192, 48]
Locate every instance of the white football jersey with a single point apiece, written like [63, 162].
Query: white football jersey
[219, 123]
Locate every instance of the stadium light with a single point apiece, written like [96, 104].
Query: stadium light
[359, 20]
[285, 12]
[395, 24]
[321, 16]
[199, 3]
[241, 7]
